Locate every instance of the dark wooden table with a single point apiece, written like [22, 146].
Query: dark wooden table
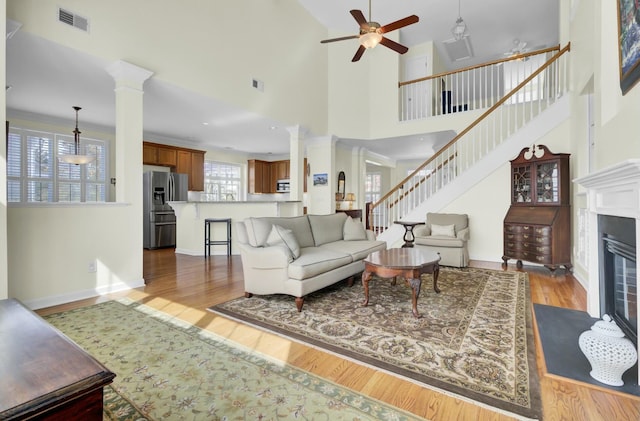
[408, 231]
[44, 375]
[406, 262]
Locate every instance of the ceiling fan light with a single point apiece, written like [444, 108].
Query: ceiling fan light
[370, 39]
[459, 30]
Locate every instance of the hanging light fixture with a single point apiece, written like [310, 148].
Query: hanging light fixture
[459, 30]
[76, 158]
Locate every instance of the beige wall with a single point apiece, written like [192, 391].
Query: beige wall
[215, 50]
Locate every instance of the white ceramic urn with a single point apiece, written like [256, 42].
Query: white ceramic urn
[608, 351]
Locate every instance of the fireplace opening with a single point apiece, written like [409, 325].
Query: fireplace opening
[618, 278]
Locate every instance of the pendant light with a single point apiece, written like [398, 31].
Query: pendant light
[76, 158]
[459, 30]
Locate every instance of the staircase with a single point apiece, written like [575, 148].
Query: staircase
[527, 112]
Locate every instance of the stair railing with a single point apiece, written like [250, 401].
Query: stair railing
[470, 88]
[531, 95]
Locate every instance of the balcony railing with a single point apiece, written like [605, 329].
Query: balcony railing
[471, 88]
[535, 92]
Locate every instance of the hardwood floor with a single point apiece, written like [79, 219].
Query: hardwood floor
[185, 286]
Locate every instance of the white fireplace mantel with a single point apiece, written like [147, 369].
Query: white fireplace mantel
[613, 191]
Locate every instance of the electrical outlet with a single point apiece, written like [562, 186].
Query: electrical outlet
[91, 267]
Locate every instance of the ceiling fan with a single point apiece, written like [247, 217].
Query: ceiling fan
[519, 47]
[371, 33]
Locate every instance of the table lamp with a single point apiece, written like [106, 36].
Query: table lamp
[350, 198]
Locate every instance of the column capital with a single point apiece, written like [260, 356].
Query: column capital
[298, 131]
[122, 71]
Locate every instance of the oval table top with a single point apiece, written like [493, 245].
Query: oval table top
[402, 258]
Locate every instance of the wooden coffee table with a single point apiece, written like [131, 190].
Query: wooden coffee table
[410, 263]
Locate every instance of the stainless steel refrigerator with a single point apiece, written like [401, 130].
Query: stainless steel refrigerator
[159, 217]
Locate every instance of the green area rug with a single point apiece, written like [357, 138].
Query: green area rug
[167, 369]
[475, 338]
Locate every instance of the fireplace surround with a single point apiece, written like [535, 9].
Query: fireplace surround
[613, 191]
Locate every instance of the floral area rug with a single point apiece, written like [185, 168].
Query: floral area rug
[474, 339]
[170, 370]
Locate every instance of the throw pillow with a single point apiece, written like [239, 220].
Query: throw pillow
[444, 230]
[354, 230]
[280, 235]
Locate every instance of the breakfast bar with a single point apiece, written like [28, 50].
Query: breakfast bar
[191, 216]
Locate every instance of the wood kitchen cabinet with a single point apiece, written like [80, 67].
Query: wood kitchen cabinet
[260, 177]
[537, 227]
[181, 160]
[159, 155]
[280, 170]
[192, 163]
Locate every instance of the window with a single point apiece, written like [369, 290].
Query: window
[372, 187]
[34, 174]
[221, 181]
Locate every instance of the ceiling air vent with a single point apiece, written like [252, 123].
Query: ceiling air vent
[74, 20]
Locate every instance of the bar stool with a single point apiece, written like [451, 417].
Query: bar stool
[208, 242]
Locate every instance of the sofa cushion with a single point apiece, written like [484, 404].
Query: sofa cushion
[280, 235]
[353, 230]
[258, 229]
[443, 230]
[327, 228]
[315, 261]
[357, 249]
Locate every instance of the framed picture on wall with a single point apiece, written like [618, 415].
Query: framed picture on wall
[629, 43]
[320, 179]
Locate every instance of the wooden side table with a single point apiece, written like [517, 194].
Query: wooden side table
[408, 238]
[354, 213]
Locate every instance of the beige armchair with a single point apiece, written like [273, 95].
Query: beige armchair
[446, 234]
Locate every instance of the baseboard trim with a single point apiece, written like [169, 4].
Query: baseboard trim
[55, 300]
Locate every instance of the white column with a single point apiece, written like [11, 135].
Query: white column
[358, 173]
[4, 274]
[321, 154]
[129, 131]
[296, 162]
[129, 79]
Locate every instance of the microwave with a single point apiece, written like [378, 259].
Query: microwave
[283, 186]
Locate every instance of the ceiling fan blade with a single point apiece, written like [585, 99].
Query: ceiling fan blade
[399, 24]
[339, 39]
[358, 54]
[399, 48]
[359, 17]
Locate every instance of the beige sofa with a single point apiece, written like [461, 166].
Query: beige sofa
[300, 255]
[446, 234]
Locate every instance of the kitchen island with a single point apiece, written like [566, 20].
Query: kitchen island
[190, 218]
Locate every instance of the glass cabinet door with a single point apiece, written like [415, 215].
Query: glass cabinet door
[547, 183]
[521, 184]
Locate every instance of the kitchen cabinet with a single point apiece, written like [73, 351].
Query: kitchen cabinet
[181, 160]
[260, 177]
[280, 170]
[192, 163]
[158, 155]
[537, 227]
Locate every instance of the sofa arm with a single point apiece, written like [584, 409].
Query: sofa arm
[421, 231]
[371, 236]
[273, 257]
[463, 234]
